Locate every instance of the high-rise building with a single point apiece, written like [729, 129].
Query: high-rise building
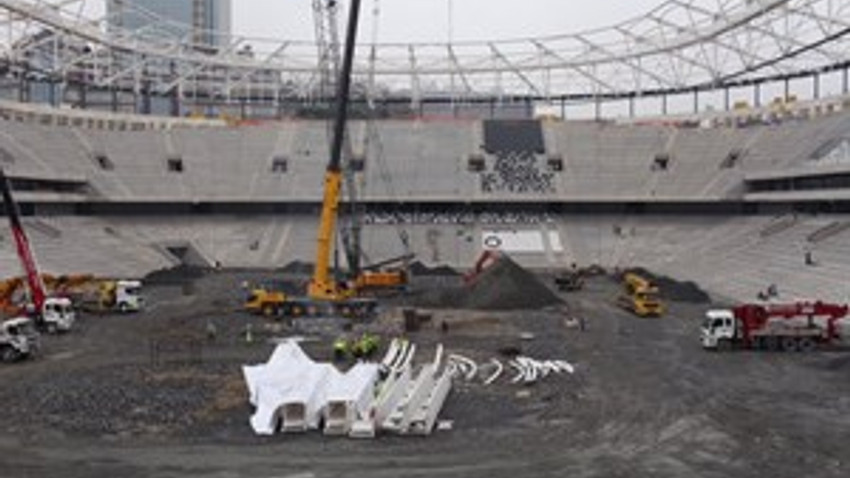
[204, 22]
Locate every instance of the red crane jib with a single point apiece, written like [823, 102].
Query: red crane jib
[36, 286]
[25, 255]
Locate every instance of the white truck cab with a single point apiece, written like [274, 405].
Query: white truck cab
[18, 339]
[128, 296]
[718, 325]
[58, 314]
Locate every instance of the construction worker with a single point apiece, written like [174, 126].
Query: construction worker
[340, 348]
[365, 347]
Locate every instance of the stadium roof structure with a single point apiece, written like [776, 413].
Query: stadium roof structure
[678, 47]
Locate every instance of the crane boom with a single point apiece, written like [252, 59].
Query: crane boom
[322, 285]
[22, 245]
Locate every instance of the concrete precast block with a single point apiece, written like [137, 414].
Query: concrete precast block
[349, 397]
[392, 355]
[420, 392]
[391, 395]
[338, 417]
[423, 423]
[406, 358]
[302, 409]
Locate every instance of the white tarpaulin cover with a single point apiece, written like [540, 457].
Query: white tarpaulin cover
[353, 385]
[350, 398]
[288, 377]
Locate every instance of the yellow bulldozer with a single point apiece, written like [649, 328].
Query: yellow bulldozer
[640, 296]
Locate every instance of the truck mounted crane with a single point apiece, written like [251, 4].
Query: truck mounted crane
[797, 326]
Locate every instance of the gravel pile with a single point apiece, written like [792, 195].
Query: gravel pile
[673, 289]
[502, 286]
[174, 275]
[298, 267]
[417, 268]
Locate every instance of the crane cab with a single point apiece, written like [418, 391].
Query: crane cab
[57, 314]
[18, 339]
[123, 295]
[719, 326]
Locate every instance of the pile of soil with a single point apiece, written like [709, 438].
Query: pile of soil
[417, 268]
[298, 267]
[679, 291]
[505, 285]
[175, 275]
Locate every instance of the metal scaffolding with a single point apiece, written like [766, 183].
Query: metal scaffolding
[681, 46]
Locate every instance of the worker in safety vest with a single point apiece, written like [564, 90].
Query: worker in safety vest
[340, 348]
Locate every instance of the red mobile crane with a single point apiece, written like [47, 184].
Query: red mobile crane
[51, 313]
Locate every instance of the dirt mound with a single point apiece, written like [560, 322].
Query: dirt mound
[175, 275]
[419, 269]
[680, 291]
[502, 286]
[298, 267]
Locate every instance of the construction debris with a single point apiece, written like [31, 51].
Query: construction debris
[463, 367]
[528, 369]
[499, 368]
[417, 268]
[179, 274]
[298, 267]
[531, 370]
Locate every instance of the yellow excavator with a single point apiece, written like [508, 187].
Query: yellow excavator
[641, 296]
[325, 294]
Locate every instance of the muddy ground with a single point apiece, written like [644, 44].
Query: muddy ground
[645, 400]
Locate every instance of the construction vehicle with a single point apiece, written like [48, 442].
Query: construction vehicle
[641, 296]
[8, 289]
[379, 277]
[375, 278]
[798, 326]
[53, 314]
[325, 294]
[18, 339]
[570, 280]
[56, 313]
[121, 295]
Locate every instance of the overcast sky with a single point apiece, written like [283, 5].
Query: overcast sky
[423, 20]
[428, 20]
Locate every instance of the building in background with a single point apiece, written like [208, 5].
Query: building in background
[204, 22]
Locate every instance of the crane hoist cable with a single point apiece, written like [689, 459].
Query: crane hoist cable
[325, 14]
[373, 136]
